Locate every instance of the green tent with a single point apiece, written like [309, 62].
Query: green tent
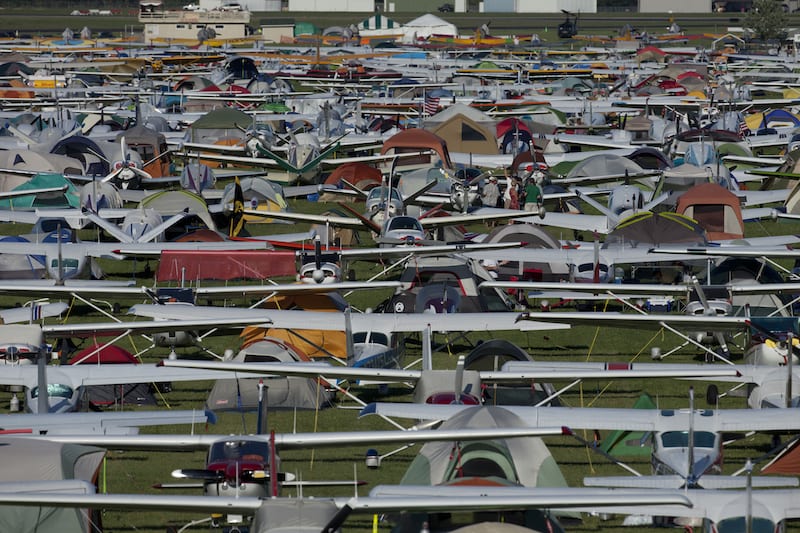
[59, 199]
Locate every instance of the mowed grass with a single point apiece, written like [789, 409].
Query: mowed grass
[137, 472]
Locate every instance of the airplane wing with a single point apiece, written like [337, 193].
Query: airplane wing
[597, 141]
[576, 221]
[149, 326]
[230, 291]
[89, 375]
[485, 498]
[336, 221]
[105, 423]
[731, 251]
[636, 289]
[562, 497]
[115, 250]
[652, 320]
[333, 321]
[722, 420]
[305, 440]
[522, 371]
[432, 249]
[305, 370]
[717, 504]
[33, 313]
[572, 417]
[542, 371]
[585, 254]
[453, 220]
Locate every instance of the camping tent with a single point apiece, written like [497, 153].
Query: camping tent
[112, 395]
[281, 392]
[715, 208]
[465, 129]
[416, 140]
[28, 460]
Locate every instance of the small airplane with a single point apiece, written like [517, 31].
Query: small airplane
[686, 442]
[64, 383]
[727, 510]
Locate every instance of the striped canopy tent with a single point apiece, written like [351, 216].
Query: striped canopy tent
[378, 21]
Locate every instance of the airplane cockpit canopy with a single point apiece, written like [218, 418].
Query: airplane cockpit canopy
[244, 449]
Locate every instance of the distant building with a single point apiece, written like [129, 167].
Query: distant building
[162, 25]
[539, 6]
[675, 6]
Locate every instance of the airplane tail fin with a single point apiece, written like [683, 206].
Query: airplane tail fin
[348, 334]
[237, 213]
[427, 356]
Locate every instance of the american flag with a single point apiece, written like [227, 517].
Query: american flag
[431, 105]
[743, 129]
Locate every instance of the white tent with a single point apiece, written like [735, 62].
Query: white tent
[427, 25]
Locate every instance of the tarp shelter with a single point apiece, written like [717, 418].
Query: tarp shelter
[170, 203]
[464, 129]
[313, 343]
[715, 208]
[28, 460]
[225, 265]
[648, 228]
[220, 123]
[34, 162]
[281, 392]
[534, 237]
[87, 151]
[18, 266]
[651, 53]
[426, 26]
[490, 356]
[774, 118]
[69, 198]
[787, 462]
[116, 395]
[357, 173]
[417, 140]
[604, 165]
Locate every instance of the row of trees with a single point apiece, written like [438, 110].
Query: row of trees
[767, 20]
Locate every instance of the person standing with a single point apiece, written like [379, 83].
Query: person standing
[514, 191]
[533, 195]
[491, 193]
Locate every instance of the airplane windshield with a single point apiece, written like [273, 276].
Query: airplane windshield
[238, 449]
[54, 390]
[735, 525]
[680, 439]
[381, 192]
[405, 223]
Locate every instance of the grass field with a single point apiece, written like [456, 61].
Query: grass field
[136, 472]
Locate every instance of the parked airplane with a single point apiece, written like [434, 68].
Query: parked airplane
[685, 442]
